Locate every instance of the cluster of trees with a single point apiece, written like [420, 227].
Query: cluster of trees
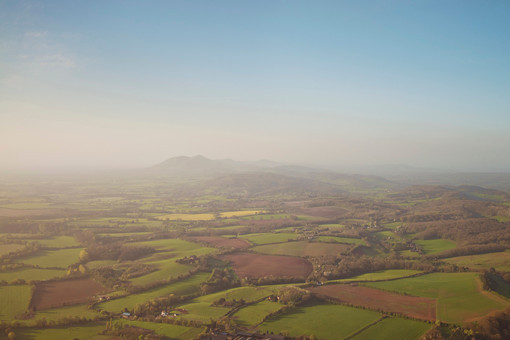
[469, 250]
[220, 279]
[118, 329]
[155, 306]
[347, 266]
[293, 295]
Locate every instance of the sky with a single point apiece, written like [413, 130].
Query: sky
[128, 84]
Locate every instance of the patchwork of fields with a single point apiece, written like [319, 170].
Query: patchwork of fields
[142, 260]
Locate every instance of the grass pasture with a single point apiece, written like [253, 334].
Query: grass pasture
[241, 213]
[500, 261]
[322, 320]
[186, 217]
[61, 258]
[223, 242]
[254, 314]
[267, 238]
[88, 331]
[34, 274]
[389, 274]
[167, 330]
[202, 311]
[184, 287]
[55, 314]
[435, 246]
[302, 248]
[248, 294]
[58, 242]
[166, 269]
[336, 239]
[175, 248]
[14, 300]
[10, 248]
[458, 294]
[394, 328]
[332, 226]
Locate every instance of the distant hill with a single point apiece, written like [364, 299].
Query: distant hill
[229, 176]
[202, 166]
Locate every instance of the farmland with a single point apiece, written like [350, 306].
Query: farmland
[53, 258]
[61, 293]
[14, 300]
[458, 295]
[411, 306]
[252, 265]
[394, 328]
[322, 320]
[302, 248]
[182, 258]
[185, 287]
[499, 261]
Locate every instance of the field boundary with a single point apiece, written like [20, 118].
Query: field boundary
[361, 330]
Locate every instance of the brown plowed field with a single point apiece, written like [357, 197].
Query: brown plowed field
[326, 212]
[6, 212]
[416, 307]
[223, 241]
[254, 265]
[61, 293]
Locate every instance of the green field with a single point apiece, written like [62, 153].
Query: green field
[332, 226]
[186, 217]
[254, 314]
[500, 261]
[100, 263]
[166, 269]
[58, 242]
[266, 238]
[9, 248]
[435, 246]
[409, 254]
[337, 239]
[268, 217]
[394, 328]
[185, 287]
[14, 300]
[89, 331]
[201, 309]
[59, 313]
[302, 248]
[248, 294]
[31, 274]
[53, 258]
[388, 274]
[458, 295]
[325, 321]
[168, 330]
[240, 213]
[174, 248]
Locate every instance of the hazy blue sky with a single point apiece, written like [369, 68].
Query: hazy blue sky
[130, 83]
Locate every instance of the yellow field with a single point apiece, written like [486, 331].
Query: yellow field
[241, 213]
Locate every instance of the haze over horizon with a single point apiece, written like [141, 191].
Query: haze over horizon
[108, 85]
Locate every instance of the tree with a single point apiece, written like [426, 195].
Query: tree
[84, 256]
